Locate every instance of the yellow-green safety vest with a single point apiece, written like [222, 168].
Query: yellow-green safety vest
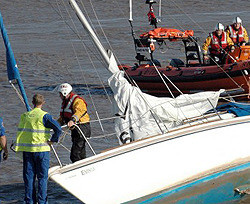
[32, 135]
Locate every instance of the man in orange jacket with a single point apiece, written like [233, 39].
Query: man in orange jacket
[74, 110]
[237, 32]
[218, 43]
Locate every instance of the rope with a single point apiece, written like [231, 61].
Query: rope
[175, 88]
[17, 92]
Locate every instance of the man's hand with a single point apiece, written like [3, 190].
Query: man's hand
[70, 123]
[50, 143]
[206, 57]
[5, 155]
[232, 49]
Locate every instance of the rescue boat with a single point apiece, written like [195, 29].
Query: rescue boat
[191, 74]
[190, 77]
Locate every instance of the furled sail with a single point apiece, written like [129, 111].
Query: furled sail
[12, 69]
[143, 115]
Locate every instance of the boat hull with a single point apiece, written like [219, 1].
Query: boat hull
[224, 186]
[159, 163]
[190, 79]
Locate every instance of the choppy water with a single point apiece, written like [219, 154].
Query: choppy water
[42, 44]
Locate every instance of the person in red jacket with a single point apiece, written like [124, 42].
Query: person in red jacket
[237, 32]
[74, 111]
[218, 43]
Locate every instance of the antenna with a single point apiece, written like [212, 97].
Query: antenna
[130, 11]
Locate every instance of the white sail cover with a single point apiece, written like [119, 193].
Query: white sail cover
[145, 115]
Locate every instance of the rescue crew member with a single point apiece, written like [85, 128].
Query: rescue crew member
[74, 110]
[218, 43]
[33, 140]
[237, 32]
[3, 141]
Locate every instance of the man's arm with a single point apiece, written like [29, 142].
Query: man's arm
[246, 38]
[229, 41]
[79, 109]
[3, 143]
[49, 122]
[206, 44]
[3, 140]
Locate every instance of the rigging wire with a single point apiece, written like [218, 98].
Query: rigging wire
[157, 69]
[105, 37]
[97, 51]
[92, 53]
[196, 42]
[17, 92]
[205, 33]
[76, 31]
[211, 58]
[111, 48]
[177, 90]
[79, 64]
[60, 14]
[78, 60]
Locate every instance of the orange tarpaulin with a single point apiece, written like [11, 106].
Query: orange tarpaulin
[167, 33]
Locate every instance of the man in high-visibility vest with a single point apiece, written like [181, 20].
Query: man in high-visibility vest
[3, 141]
[33, 140]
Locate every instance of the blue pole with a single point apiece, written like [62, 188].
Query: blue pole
[12, 69]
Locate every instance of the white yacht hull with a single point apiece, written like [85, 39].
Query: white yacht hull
[162, 162]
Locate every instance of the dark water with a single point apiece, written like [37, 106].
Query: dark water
[49, 53]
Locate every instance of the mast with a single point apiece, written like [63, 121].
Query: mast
[130, 11]
[12, 68]
[159, 17]
[130, 20]
[90, 31]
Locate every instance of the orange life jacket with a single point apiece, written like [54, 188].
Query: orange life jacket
[236, 37]
[217, 45]
[67, 106]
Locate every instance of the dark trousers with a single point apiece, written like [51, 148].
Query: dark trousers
[221, 57]
[35, 165]
[78, 150]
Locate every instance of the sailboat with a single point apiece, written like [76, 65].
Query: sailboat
[154, 76]
[173, 150]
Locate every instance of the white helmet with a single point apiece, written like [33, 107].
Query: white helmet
[219, 26]
[65, 89]
[237, 20]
